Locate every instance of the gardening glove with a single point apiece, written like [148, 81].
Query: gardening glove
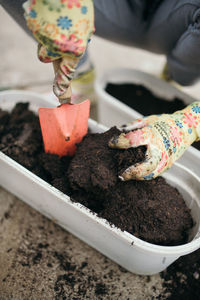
[166, 136]
[62, 29]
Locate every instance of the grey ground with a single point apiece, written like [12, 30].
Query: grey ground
[37, 257]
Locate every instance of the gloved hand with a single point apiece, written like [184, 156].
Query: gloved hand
[166, 136]
[63, 29]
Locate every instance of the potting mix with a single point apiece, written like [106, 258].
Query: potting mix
[151, 210]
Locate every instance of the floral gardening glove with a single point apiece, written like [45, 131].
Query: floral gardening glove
[63, 29]
[166, 136]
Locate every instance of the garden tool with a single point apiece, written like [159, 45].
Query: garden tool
[64, 126]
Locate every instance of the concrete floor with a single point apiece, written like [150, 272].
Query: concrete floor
[36, 255]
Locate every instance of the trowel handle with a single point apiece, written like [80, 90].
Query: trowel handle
[66, 97]
[56, 65]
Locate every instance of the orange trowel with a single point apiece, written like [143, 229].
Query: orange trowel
[64, 126]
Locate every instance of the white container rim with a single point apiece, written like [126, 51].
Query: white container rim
[125, 75]
[127, 237]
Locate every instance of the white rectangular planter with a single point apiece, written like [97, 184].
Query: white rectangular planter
[130, 252]
[112, 111]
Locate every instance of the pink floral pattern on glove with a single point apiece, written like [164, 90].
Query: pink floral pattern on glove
[176, 136]
[71, 3]
[163, 162]
[71, 44]
[138, 137]
[190, 120]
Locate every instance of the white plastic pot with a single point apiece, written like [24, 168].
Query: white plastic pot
[130, 252]
[112, 111]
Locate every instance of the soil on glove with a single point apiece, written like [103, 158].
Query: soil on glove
[144, 101]
[151, 210]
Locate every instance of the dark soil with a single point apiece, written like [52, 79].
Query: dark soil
[182, 278]
[144, 101]
[146, 209]
[20, 138]
[100, 165]
[196, 145]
